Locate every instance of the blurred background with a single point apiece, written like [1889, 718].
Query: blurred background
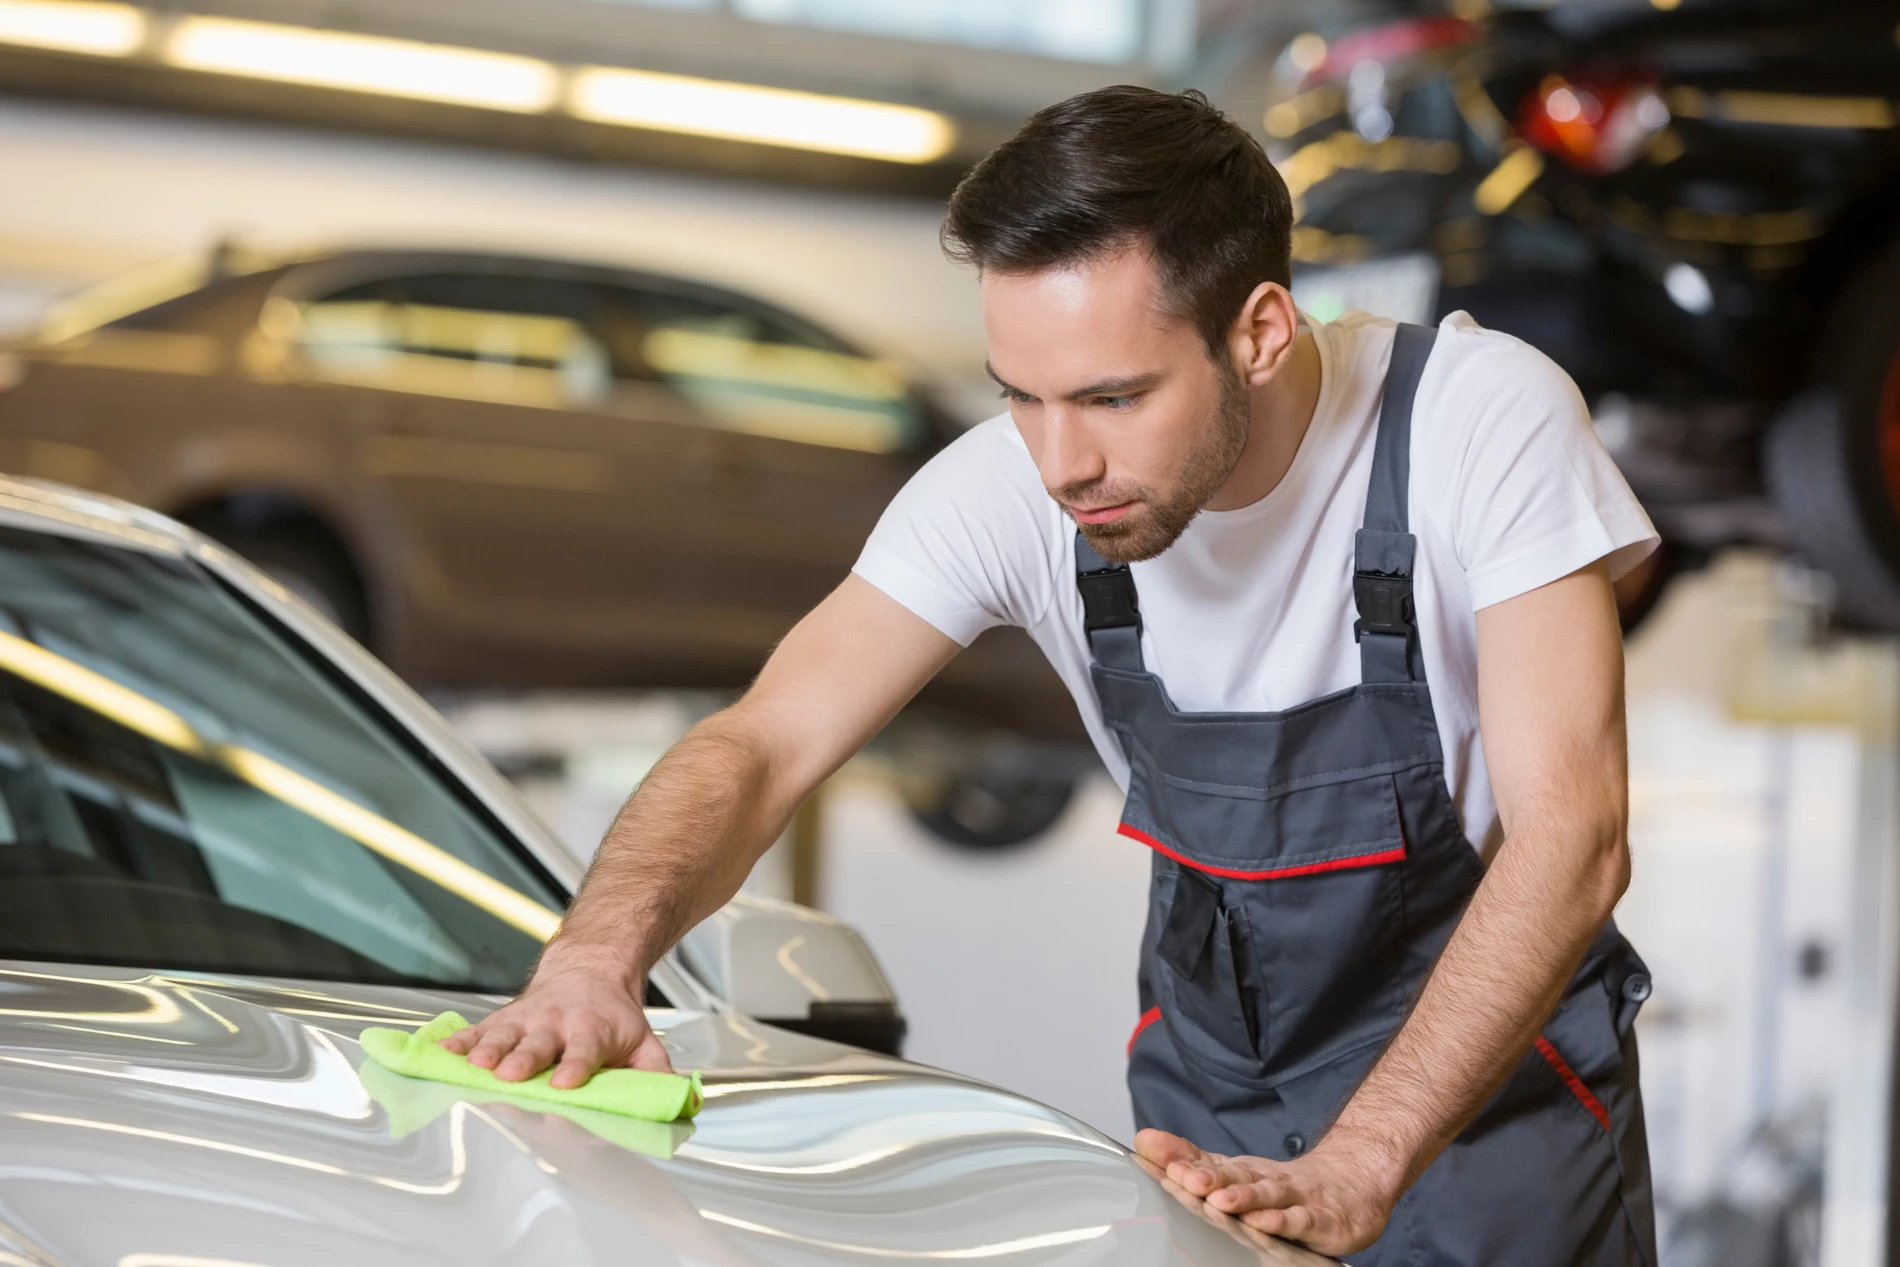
[564, 352]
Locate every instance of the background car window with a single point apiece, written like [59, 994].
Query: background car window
[751, 371]
[477, 336]
[180, 788]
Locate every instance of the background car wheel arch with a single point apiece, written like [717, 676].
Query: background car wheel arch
[299, 547]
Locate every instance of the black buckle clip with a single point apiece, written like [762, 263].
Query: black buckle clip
[1108, 599]
[1384, 602]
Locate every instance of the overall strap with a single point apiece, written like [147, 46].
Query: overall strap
[1382, 565]
[1111, 611]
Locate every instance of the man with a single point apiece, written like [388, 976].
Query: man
[1336, 604]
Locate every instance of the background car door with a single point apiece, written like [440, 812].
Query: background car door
[809, 441]
[519, 472]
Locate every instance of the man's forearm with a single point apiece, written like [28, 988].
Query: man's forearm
[679, 848]
[1544, 897]
[684, 842]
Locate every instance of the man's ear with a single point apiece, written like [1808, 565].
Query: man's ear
[1263, 334]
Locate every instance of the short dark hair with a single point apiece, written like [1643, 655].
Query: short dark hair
[1128, 166]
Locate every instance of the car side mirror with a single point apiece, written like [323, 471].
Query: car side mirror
[798, 969]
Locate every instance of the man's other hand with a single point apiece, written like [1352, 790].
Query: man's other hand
[577, 1017]
[1323, 1201]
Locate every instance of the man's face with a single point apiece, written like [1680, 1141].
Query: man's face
[1132, 425]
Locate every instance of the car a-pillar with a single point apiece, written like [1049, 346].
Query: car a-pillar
[294, 546]
[1832, 454]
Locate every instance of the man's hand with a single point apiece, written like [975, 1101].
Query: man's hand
[583, 1014]
[1325, 1201]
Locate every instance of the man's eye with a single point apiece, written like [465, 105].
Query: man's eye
[1020, 398]
[1117, 402]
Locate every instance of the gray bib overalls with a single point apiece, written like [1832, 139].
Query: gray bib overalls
[1308, 869]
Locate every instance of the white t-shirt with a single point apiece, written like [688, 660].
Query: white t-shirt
[1251, 610]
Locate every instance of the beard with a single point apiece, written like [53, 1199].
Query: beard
[1161, 516]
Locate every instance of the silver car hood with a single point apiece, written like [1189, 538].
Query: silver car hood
[190, 1120]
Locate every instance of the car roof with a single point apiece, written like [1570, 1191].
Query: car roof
[373, 262]
[464, 257]
[60, 508]
[189, 285]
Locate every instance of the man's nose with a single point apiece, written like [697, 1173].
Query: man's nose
[1069, 456]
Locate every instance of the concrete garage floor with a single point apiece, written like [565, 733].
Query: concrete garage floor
[1764, 829]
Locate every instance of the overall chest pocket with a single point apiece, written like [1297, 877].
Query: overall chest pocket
[1282, 924]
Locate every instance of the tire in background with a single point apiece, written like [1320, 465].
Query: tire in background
[990, 808]
[1832, 455]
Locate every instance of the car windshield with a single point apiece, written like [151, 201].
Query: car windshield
[182, 787]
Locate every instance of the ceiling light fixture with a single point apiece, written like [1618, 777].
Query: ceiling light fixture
[73, 26]
[364, 63]
[497, 81]
[766, 116]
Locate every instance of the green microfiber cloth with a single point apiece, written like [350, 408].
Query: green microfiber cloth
[634, 1093]
[412, 1103]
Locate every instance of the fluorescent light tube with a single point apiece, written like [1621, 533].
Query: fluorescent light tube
[72, 26]
[768, 116]
[364, 63]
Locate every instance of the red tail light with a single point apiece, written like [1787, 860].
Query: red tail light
[1595, 124]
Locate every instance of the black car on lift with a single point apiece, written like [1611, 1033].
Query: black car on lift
[1693, 207]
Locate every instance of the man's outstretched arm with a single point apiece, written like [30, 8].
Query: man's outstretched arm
[685, 841]
[1550, 690]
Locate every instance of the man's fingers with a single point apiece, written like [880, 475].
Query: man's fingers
[1164, 1149]
[535, 1052]
[497, 1040]
[1192, 1168]
[462, 1041]
[579, 1060]
[651, 1055]
[1238, 1193]
[1294, 1222]
[571, 1073]
[1309, 1201]
[518, 1050]
[1214, 1173]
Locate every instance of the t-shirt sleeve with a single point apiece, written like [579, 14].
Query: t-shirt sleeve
[964, 544]
[1534, 494]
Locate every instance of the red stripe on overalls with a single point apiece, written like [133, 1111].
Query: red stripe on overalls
[1148, 1018]
[1281, 873]
[1571, 1080]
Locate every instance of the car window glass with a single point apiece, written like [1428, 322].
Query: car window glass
[182, 788]
[752, 371]
[477, 336]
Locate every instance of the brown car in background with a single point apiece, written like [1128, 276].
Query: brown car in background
[505, 473]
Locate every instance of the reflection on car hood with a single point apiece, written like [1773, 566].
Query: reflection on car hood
[166, 1121]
